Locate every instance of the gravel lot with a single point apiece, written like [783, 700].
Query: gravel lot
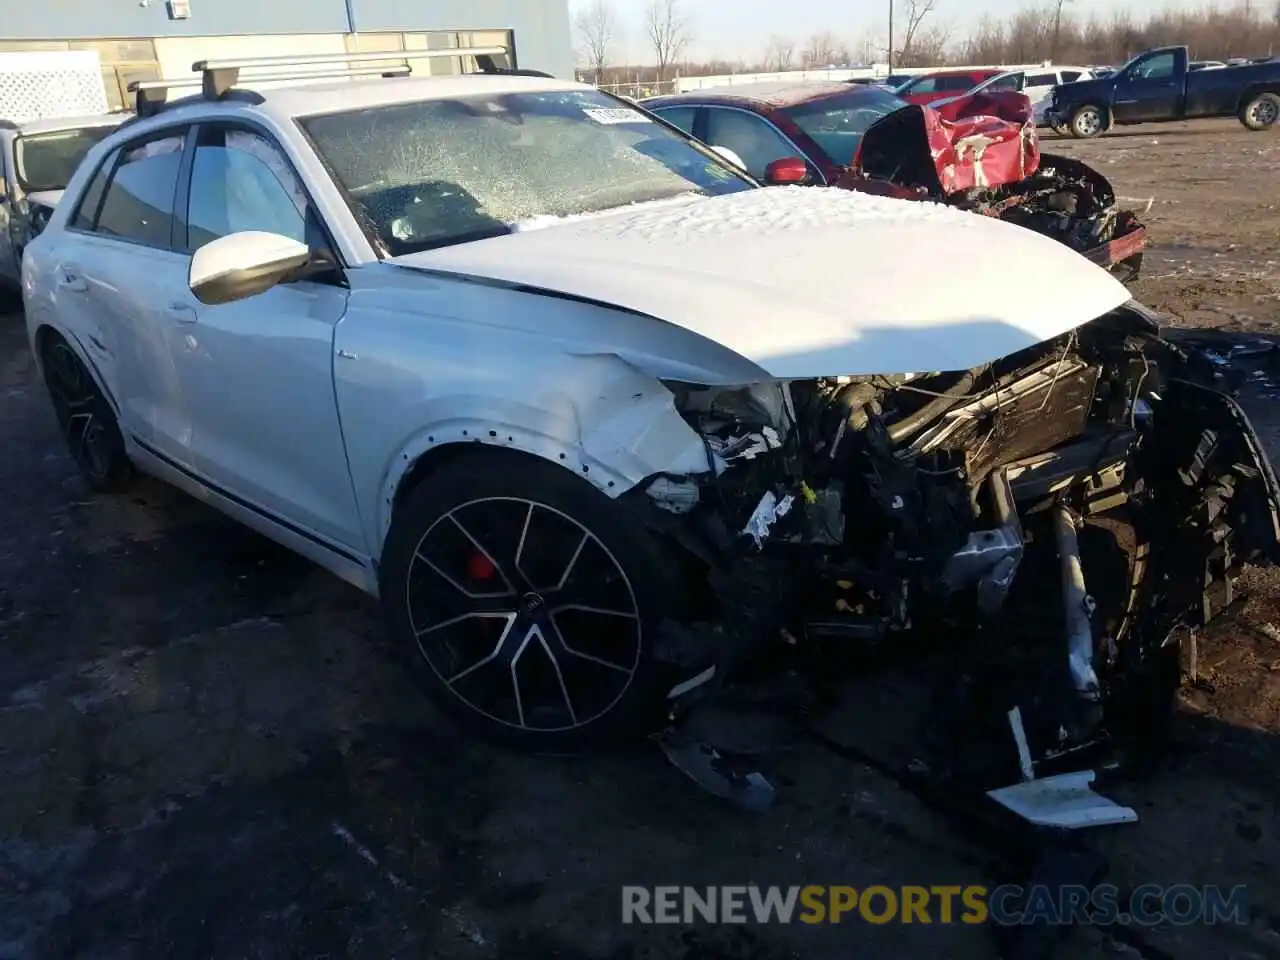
[208, 751]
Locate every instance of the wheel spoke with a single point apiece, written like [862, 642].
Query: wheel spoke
[599, 661]
[601, 611]
[573, 562]
[497, 647]
[515, 677]
[469, 594]
[555, 665]
[524, 535]
[484, 552]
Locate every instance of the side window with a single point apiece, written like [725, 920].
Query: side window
[1042, 79]
[87, 212]
[750, 137]
[1156, 67]
[240, 181]
[681, 117]
[1011, 82]
[138, 205]
[1070, 76]
[924, 86]
[960, 83]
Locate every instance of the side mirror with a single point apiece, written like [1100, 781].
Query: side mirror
[787, 170]
[244, 264]
[732, 157]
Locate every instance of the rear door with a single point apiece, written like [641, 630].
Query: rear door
[119, 278]
[258, 373]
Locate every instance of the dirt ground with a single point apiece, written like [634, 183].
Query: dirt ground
[207, 750]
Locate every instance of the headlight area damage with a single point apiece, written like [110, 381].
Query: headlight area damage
[1054, 521]
[981, 153]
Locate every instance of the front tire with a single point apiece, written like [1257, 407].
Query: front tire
[1261, 111]
[88, 423]
[527, 602]
[1087, 122]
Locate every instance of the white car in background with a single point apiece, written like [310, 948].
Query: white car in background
[37, 160]
[597, 417]
[1037, 84]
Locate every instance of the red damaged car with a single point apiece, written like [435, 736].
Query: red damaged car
[979, 152]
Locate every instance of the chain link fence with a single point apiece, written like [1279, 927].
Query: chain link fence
[639, 89]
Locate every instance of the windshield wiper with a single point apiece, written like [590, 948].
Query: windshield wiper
[484, 233]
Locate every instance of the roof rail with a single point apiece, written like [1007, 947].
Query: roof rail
[219, 76]
[216, 78]
[151, 96]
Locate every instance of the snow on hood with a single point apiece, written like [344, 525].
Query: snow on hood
[810, 282]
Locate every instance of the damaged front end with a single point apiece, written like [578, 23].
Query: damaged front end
[981, 153]
[1060, 516]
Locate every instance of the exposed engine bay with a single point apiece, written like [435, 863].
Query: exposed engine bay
[1062, 515]
[981, 153]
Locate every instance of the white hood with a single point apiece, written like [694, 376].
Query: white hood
[810, 282]
[48, 198]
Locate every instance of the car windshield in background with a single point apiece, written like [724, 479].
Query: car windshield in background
[836, 124]
[46, 161]
[437, 172]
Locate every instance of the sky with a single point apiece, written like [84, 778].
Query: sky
[739, 29]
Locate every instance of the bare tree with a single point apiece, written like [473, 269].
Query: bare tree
[668, 31]
[917, 11]
[779, 53]
[824, 49]
[596, 25]
[1054, 44]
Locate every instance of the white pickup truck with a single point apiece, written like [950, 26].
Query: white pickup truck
[37, 160]
[53, 108]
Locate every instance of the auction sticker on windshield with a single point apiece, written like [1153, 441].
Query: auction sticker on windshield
[621, 115]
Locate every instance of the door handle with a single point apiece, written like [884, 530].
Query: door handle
[182, 312]
[71, 281]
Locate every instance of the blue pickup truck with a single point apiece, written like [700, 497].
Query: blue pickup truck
[1159, 85]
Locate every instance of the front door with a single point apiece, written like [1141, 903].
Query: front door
[1150, 89]
[258, 373]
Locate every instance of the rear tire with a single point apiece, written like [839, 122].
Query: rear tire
[1261, 111]
[527, 603]
[1087, 122]
[88, 423]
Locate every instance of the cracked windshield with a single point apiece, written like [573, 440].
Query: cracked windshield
[429, 174]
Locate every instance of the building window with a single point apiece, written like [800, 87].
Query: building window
[448, 40]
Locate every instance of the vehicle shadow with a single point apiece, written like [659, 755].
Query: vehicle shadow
[1153, 130]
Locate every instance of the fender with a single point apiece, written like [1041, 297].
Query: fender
[77, 347]
[611, 424]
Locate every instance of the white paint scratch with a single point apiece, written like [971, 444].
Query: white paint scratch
[466, 926]
[365, 854]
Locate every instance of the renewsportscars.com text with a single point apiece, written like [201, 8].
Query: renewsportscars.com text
[1006, 905]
